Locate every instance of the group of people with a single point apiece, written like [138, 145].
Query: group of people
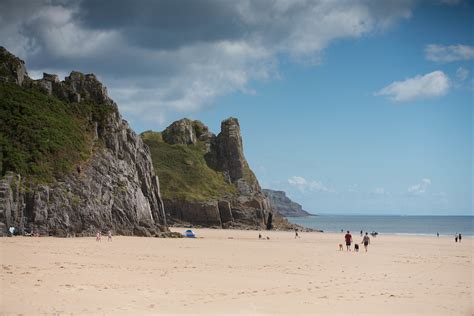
[98, 236]
[348, 240]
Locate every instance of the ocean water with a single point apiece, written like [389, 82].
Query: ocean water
[416, 225]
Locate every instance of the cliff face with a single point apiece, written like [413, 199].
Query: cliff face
[112, 187]
[283, 205]
[208, 180]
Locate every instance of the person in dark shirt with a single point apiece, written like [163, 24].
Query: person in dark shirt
[366, 241]
[348, 238]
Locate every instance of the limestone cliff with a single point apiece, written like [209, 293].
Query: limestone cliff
[284, 205]
[206, 178]
[111, 184]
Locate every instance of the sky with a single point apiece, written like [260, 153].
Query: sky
[351, 107]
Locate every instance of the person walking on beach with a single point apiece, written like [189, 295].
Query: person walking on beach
[459, 237]
[98, 236]
[456, 238]
[348, 238]
[109, 235]
[366, 241]
[296, 233]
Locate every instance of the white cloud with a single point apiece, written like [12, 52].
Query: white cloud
[449, 53]
[462, 73]
[304, 185]
[149, 77]
[434, 84]
[420, 188]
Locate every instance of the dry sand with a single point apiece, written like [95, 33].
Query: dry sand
[232, 272]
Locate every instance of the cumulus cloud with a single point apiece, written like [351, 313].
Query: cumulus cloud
[434, 84]
[178, 56]
[304, 185]
[420, 188]
[449, 53]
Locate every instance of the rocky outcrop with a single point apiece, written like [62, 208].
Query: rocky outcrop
[246, 207]
[116, 188]
[12, 68]
[283, 205]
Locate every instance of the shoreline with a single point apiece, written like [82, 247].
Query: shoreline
[410, 225]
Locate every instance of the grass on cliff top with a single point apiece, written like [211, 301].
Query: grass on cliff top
[41, 137]
[183, 171]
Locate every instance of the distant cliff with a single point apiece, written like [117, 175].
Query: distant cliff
[283, 205]
[69, 164]
[206, 179]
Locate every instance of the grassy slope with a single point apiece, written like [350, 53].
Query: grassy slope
[42, 137]
[183, 171]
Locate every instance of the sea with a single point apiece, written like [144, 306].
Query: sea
[388, 224]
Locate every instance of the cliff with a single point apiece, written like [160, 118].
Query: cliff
[69, 164]
[206, 179]
[284, 205]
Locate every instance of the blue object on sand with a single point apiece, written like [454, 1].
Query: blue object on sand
[190, 234]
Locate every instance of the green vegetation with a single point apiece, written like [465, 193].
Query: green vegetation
[183, 171]
[42, 137]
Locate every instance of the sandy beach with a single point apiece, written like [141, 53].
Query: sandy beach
[227, 272]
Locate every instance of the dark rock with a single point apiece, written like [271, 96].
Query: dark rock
[225, 212]
[197, 213]
[270, 221]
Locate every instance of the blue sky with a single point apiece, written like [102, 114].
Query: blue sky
[351, 107]
[324, 124]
